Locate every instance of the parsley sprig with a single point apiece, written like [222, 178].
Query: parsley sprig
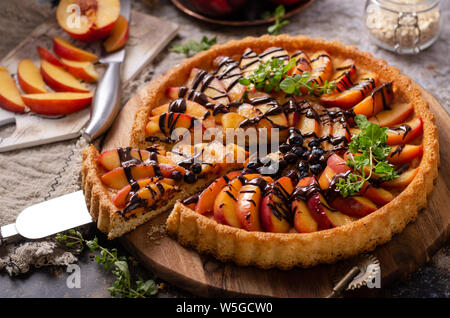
[369, 152]
[272, 76]
[194, 46]
[279, 12]
[110, 260]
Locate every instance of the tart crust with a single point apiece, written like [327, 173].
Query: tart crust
[281, 250]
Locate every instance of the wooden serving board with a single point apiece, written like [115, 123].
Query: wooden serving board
[205, 276]
[148, 36]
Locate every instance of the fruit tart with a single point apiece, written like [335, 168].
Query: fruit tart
[355, 158]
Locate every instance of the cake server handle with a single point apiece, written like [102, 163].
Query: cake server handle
[106, 103]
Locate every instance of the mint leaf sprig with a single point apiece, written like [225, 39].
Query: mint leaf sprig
[272, 76]
[194, 46]
[110, 260]
[279, 23]
[369, 150]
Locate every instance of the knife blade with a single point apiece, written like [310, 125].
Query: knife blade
[48, 218]
[106, 103]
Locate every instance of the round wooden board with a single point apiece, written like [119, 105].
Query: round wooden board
[205, 276]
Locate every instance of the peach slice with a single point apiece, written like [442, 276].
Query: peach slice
[404, 153]
[350, 97]
[302, 61]
[121, 198]
[29, 77]
[88, 20]
[119, 35]
[225, 203]
[119, 177]
[154, 193]
[344, 75]
[303, 220]
[48, 56]
[229, 73]
[9, 93]
[192, 109]
[69, 51]
[321, 68]
[249, 62]
[248, 203]
[275, 212]
[162, 126]
[379, 99]
[57, 103]
[406, 132]
[397, 114]
[232, 120]
[82, 70]
[205, 204]
[200, 80]
[60, 80]
[402, 180]
[309, 127]
[110, 159]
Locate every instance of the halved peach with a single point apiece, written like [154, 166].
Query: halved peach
[120, 177]
[205, 204]
[88, 20]
[60, 80]
[30, 78]
[402, 180]
[405, 133]
[275, 210]
[9, 93]
[397, 114]
[119, 35]
[82, 70]
[57, 103]
[69, 51]
[48, 56]
[404, 153]
[121, 198]
[193, 109]
[321, 68]
[225, 204]
[200, 80]
[229, 73]
[379, 99]
[350, 97]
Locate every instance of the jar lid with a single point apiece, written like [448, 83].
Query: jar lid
[407, 6]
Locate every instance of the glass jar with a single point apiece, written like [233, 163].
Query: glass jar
[403, 26]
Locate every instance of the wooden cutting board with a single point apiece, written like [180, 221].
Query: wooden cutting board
[148, 36]
[205, 276]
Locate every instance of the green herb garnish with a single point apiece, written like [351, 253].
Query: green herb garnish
[272, 76]
[194, 46]
[279, 12]
[118, 266]
[369, 152]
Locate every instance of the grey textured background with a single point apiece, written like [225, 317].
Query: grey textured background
[28, 176]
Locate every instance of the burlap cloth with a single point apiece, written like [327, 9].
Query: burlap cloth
[32, 175]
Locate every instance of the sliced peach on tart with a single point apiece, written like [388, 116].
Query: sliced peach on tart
[275, 211]
[352, 96]
[406, 132]
[92, 20]
[202, 81]
[402, 180]
[232, 120]
[249, 62]
[380, 99]
[308, 126]
[303, 220]
[404, 153]
[30, 79]
[321, 68]
[398, 113]
[169, 126]
[119, 35]
[229, 73]
[248, 202]
[82, 70]
[225, 203]
[111, 159]
[187, 107]
[205, 204]
[57, 103]
[120, 177]
[9, 93]
[49, 56]
[60, 80]
[344, 76]
[69, 51]
[302, 62]
[274, 53]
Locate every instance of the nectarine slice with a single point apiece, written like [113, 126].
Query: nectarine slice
[60, 80]
[202, 81]
[397, 114]
[404, 153]
[48, 56]
[190, 108]
[402, 180]
[30, 78]
[229, 73]
[249, 62]
[303, 220]
[405, 133]
[57, 103]
[82, 70]
[154, 194]
[302, 61]
[70, 52]
[120, 177]
[345, 75]
[247, 205]
[110, 159]
[321, 68]
[225, 204]
[119, 35]
[9, 93]
[379, 99]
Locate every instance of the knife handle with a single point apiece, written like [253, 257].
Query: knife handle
[9, 234]
[106, 103]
